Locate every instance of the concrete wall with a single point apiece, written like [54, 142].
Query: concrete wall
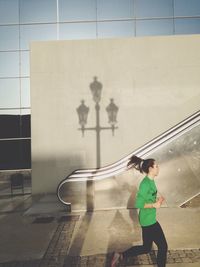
[153, 80]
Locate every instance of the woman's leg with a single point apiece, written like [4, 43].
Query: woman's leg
[143, 249]
[160, 241]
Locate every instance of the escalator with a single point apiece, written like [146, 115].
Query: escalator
[114, 186]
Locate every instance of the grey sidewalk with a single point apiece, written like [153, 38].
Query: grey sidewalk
[42, 234]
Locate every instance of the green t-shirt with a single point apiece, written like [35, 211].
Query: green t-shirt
[146, 194]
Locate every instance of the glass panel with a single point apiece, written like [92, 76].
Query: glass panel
[186, 7]
[38, 11]
[9, 93]
[115, 29]
[25, 63]
[187, 26]
[15, 154]
[9, 11]
[11, 111]
[71, 10]
[25, 92]
[178, 181]
[183, 154]
[9, 123]
[36, 33]
[114, 9]
[154, 27]
[26, 154]
[9, 64]
[26, 125]
[9, 38]
[78, 31]
[9, 154]
[153, 8]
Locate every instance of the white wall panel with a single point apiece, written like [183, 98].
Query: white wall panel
[154, 81]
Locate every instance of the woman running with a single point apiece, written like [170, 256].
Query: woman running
[147, 203]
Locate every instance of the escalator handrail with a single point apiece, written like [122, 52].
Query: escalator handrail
[165, 136]
[121, 165]
[190, 119]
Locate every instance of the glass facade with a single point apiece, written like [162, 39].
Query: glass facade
[23, 21]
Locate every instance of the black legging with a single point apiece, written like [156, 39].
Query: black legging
[150, 234]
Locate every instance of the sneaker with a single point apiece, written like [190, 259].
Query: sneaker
[115, 259]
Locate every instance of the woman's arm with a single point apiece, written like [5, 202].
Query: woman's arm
[156, 205]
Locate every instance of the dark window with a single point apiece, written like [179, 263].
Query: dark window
[25, 126]
[14, 126]
[25, 146]
[15, 154]
[9, 126]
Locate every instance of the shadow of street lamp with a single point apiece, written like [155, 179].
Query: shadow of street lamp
[83, 110]
[112, 110]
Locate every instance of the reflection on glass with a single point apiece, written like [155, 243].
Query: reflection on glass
[25, 63]
[179, 160]
[9, 93]
[153, 8]
[15, 154]
[154, 27]
[186, 7]
[9, 11]
[37, 11]
[9, 64]
[71, 10]
[36, 33]
[187, 26]
[114, 9]
[25, 92]
[115, 29]
[78, 31]
[9, 38]
[9, 124]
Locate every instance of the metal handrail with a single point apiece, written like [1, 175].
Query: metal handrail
[121, 165]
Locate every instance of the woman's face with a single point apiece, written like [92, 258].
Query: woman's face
[155, 169]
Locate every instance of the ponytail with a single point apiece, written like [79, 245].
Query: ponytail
[142, 165]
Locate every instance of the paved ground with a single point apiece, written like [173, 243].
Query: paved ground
[37, 232]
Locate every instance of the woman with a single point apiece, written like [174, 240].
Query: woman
[147, 203]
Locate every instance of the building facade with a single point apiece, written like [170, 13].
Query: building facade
[24, 21]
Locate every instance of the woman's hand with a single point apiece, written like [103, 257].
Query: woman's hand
[157, 204]
[161, 199]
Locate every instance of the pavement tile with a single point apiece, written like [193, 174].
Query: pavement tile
[57, 252]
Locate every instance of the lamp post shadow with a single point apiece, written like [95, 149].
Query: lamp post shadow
[83, 110]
